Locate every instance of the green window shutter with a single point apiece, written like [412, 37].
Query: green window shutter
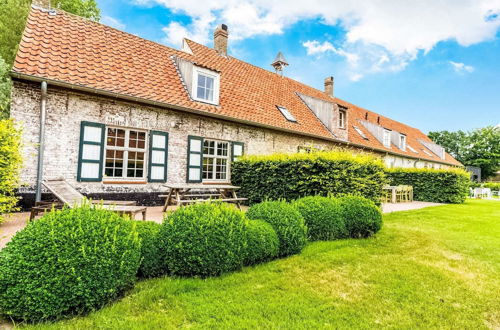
[90, 156]
[195, 159]
[158, 156]
[237, 150]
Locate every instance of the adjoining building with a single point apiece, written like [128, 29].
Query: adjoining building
[117, 114]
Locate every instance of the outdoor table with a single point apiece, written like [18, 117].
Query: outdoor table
[393, 192]
[179, 194]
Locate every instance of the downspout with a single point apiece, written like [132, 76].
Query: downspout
[41, 142]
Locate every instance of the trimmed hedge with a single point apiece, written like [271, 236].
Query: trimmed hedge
[262, 242]
[151, 258]
[292, 176]
[323, 217]
[205, 239]
[286, 222]
[495, 186]
[433, 185]
[362, 217]
[69, 262]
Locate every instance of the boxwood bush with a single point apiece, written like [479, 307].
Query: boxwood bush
[292, 176]
[362, 217]
[286, 222]
[151, 258]
[262, 242]
[323, 217]
[205, 239]
[433, 185]
[68, 262]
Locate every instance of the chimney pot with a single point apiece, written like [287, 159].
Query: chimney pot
[329, 86]
[221, 34]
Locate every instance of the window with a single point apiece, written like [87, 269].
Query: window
[360, 132]
[387, 138]
[427, 153]
[284, 111]
[412, 150]
[125, 154]
[342, 116]
[205, 85]
[402, 142]
[215, 160]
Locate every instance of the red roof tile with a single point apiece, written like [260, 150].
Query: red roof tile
[62, 47]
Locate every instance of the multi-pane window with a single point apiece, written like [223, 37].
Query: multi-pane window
[125, 154]
[402, 142]
[342, 116]
[215, 160]
[387, 138]
[205, 87]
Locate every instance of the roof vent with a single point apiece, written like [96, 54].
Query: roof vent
[279, 63]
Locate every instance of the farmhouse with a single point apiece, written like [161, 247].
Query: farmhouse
[116, 114]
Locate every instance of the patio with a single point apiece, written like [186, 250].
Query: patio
[17, 221]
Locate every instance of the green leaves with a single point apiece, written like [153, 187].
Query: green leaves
[10, 164]
[262, 242]
[292, 176]
[432, 185]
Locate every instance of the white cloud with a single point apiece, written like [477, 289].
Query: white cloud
[386, 33]
[461, 67]
[113, 22]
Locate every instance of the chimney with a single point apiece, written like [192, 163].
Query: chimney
[220, 39]
[42, 3]
[329, 86]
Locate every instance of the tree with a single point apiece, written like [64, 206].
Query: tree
[5, 85]
[83, 8]
[10, 164]
[480, 147]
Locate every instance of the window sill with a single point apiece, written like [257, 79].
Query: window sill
[124, 182]
[216, 182]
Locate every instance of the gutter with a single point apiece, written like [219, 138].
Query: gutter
[91, 90]
[41, 142]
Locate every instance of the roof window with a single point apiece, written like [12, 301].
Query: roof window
[360, 132]
[284, 111]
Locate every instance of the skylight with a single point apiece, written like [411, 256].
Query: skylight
[427, 153]
[411, 148]
[360, 132]
[284, 111]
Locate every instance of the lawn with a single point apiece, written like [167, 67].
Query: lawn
[435, 267]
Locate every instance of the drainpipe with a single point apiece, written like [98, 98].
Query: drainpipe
[41, 142]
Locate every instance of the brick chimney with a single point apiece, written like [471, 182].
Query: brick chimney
[329, 86]
[220, 39]
[42, 3]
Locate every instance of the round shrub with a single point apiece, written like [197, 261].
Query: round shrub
[67, 263]
[286, 222]
[205, 239]
[151, 258]
[262, 242]
[362, 217]
[323, 218]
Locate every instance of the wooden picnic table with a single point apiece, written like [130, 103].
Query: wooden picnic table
[180, 194]
[393, 192]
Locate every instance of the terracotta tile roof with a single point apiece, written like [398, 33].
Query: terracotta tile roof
[61, 47]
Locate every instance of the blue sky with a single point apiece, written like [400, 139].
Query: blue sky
[434, 66]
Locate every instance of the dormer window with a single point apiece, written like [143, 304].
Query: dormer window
[342, 117]
[284, 111]
[402, 142]
[387, 138]
[205, 85]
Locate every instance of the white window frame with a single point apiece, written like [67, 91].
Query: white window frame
[214, 160]
[342, 118]
[197, 71]
[126, 150]
[286, 113]
[386, 138]
[402, 142]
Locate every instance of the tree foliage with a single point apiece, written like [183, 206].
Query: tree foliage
[480, 147]
[5, 87]
[10, 163]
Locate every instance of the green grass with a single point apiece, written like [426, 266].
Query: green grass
[430, 268]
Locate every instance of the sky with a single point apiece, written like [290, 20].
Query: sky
[434, 65]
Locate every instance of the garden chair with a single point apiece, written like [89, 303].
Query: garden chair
[71, 197]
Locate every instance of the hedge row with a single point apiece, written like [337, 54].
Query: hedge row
[292, 176]
[74, 261]
[433, 185]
